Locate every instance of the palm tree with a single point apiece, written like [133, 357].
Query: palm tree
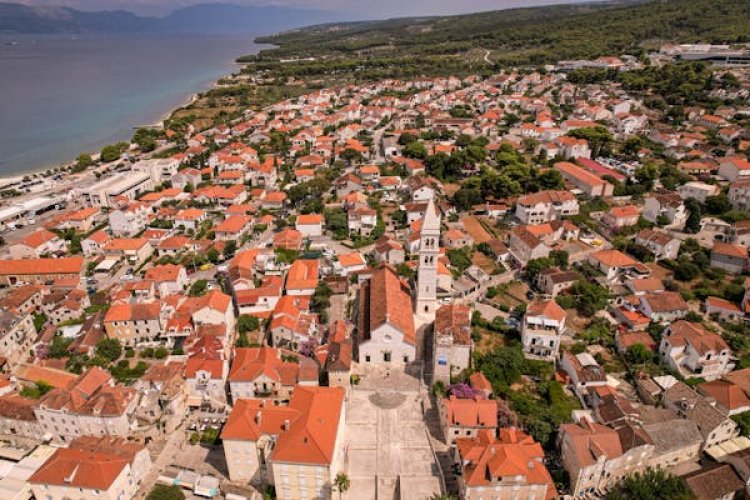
[341, 483]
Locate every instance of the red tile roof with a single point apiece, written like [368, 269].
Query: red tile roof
[65, 265]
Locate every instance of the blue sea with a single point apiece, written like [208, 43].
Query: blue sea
[62, 95]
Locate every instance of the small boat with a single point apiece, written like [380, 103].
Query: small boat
[12, 43]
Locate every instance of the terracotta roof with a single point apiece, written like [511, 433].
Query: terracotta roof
[302, 275]
[76, 468]
[164, 272]
[546, 197]
[233, 224]
[682, 332]
[38, 238]
[726, 393]
[485, 459]
[190, 214]
[736, 251]
[478, 381]
[306, 429]
[471, 412]
[590, 441]
[722, 304]
[133, 312]
[624, 211]
[351, 259]
[390, 304]
[91, 394]
[288, 238]
[55, 378]
[16, 407]
[720, 481]
[125, 244]
[548, 308]
[65, 265]
[613, 258]
[665, 302]
[455, 320]
[311, 438]
[251, 362]
[309, 219]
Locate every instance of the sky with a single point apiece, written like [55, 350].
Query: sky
[355, 9]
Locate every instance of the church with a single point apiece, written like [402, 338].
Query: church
[389, 322]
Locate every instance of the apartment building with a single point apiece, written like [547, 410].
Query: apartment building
[93, 405]
[298, 448]
[546, 206]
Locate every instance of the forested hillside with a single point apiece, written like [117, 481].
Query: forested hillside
[404, 47]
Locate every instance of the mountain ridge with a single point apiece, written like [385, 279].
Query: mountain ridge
[217, 18]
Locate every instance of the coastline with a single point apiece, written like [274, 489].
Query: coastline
[17, 176]
[227, 65]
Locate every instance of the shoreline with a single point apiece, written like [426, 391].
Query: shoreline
[192, 97]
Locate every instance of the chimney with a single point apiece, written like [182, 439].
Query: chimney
[258, 417]
[286, 425]
[69, 479]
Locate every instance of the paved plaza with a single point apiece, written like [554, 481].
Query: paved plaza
[389, 454]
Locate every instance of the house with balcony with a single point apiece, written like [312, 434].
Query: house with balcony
[541, 330]
[695, 352]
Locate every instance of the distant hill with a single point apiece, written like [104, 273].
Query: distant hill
[206, 18]
[520, 36]
[226, 18]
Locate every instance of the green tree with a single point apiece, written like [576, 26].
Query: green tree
[109, 349]
[229, 249]
[59, 347]
[654, 484]
[460, 258]
[415, 150]
[590, 297]
[198, 288]
[599, 138]
[163, 492]
[112, 152]
[693, 223]
[83, 162]
[247, 323]
[342, 483]
[686, 271]
[536, 266]
[639, 354]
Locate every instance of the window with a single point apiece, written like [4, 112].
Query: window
[367, 359]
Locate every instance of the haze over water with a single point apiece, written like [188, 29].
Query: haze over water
[62, 95]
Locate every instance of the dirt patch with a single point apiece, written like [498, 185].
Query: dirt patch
[659, 272]
[575, 322]
[511, 295]
[488, 341]
[475, 229]
[450, 189]
[486, 264]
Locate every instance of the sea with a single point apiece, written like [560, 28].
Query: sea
[61, 95]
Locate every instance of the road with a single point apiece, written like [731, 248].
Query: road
[173, 446]
[487, 57]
